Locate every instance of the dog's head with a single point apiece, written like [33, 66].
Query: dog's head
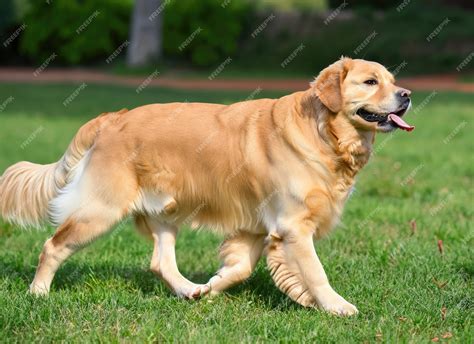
[366, 93]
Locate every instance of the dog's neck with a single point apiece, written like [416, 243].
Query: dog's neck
[352, 146]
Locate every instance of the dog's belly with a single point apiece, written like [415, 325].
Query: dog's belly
[225, 216]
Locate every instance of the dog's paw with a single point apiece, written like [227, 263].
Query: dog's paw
[334, 303]
[341, 308]
[38, 290]
[194, 291]
[199, 291]
[338, 305]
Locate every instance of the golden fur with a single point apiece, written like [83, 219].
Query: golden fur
[279, 169]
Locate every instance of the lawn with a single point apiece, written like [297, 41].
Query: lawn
[410, 282]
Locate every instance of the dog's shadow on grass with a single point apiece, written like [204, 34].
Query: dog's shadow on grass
[261, 289]
[73, 275]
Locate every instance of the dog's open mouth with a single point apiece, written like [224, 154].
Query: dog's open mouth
[393, 118]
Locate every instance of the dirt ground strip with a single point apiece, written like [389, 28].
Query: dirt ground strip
[420, 83]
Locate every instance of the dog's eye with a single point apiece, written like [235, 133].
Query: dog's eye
[371, 82]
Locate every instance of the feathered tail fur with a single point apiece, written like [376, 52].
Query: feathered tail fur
[26, 188]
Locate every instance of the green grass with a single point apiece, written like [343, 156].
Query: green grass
[233, 72]
[394, 276]
[466, 78]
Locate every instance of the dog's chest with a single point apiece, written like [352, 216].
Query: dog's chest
[327, 205]
[340, 196]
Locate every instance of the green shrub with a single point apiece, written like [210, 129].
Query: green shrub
[53, 29]
[7, 14]
[61, 28]
[290, 5]
[400, 36]
[375, 4]
[203, 31]
[11, 16]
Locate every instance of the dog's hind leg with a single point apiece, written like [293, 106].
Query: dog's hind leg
[239, 255]
[95, 200]
[69, 237]
[163, 262]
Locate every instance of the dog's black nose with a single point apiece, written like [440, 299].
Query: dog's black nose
[403, 93]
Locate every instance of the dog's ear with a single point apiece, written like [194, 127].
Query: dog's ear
[327, 85]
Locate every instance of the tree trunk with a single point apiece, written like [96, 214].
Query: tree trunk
[145, 33]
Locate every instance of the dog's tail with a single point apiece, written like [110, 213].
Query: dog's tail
[26, 188]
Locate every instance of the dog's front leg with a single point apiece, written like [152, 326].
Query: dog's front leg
[239, 255]
[163, 262]
[291, 257]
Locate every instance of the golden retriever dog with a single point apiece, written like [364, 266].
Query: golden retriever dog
[271, 175]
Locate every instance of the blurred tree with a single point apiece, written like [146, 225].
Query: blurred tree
[145, 32]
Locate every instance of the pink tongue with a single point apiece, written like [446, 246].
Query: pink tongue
[400, 122]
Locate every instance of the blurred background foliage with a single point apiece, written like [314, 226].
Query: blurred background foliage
[225, 30]
[217, 29]
[56, 28]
